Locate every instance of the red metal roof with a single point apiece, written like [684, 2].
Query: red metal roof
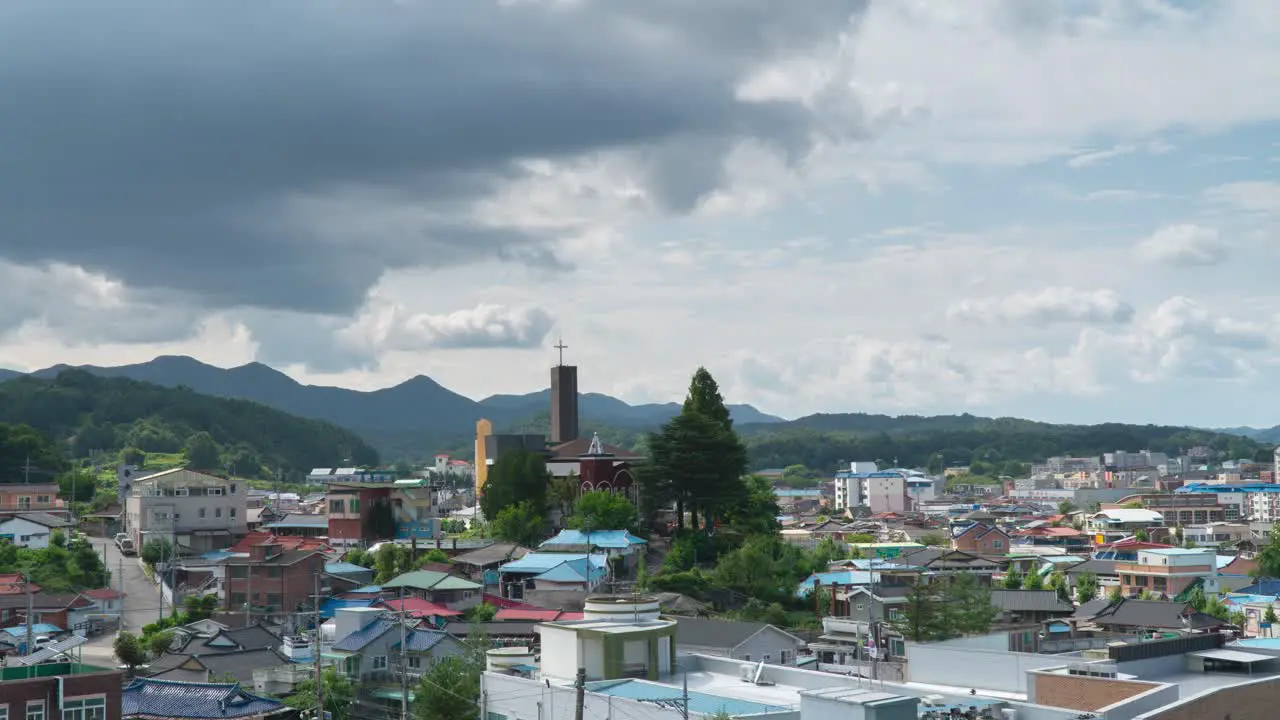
[286, 542]
[527, 614]
[417, 607]
[501, 602]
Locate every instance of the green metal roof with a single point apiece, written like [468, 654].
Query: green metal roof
[430, 580]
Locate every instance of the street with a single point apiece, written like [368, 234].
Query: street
[141, 601]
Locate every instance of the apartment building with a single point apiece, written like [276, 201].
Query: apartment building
[198, 511]
[29, 497]
[351, 508]
[1167, 571]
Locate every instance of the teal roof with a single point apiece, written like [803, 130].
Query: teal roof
[837, 577]
[611, 539]
[573, 571]
[344, 568]
[540, 562]
[699, 703]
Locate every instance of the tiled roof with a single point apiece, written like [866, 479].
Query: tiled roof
[1030, 601]
[356, 641]
[1151, 614]
[422, 640]
[148, 698]
[1097, 567]
[492, 555]
[45, 519]
[241, 664]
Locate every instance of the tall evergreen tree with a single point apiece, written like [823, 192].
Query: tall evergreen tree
[919, 620]
[517, 476]
[704, 398]
[695, 463]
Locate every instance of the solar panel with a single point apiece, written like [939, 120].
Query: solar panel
[52, 650]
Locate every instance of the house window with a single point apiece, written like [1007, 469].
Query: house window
[159, 516]
[237, 572]
[788, 657]
[85, 709]
[747, 658]
[181, 492]
[415, 662]
[355, 505]
[233, 488]
[767, 657]
[42, 500]
[202, 512]
[35, 710]
[217, 512]
[214, 491]
[4, 711]
[997, 544]
[233, 512]
[335, 507]
[379, 662]
[24, 502]
[895, 615]
[237, 599]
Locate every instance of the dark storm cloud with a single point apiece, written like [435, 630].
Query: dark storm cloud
[166, 143]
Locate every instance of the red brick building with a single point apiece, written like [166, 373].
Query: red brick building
[981, 538]
[349, 507]
[273, 579]
[74, 691]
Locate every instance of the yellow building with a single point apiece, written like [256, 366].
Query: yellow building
[484, 429]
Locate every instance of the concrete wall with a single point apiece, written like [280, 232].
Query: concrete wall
[974, 667]
[559, 652]
[1248, 701]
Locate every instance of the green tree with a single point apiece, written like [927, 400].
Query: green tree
[1115, 596]
[1269, 557]
[642, 574]
[129, 650]
[522, 524]
[78, 485]
[695, 463]
[1066, 507]
[919, 619]
[1012, 580]
[704, 398]
[160, 643]
[518, 476]
[202, 452]
[449, 690]
[753, 508]
[156, 550]
[936, 465]
[1141, 536]
[603, 510]
[1269, 619]
[932, 539]
[563, 493]
[966, 605]
[1196, 598]
[1033, 581]
[764, 568]
[339, 693]
[1058, 584]
[133, 456]
[484, 612]
[1086, 587]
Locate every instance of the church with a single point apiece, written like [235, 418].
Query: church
[596, 465]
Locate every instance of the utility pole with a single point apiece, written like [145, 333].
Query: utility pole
[160, 578]
[404, 663]
[31, 611]
[580, 685]
[120, 582]
[316, 651]
[684, 698]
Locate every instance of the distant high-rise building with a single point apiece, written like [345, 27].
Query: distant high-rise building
[564, 400]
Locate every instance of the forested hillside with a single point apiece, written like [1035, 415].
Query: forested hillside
[83, 412]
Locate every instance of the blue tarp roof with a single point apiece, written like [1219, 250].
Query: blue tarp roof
[37, 629]
[611, 539]
[540, 562]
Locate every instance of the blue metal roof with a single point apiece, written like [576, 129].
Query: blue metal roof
[798, 492]
[572, 571]
[1262, 587]
[540, 562]
[331, 606]
[1216, 488]
[168, 698]
[699, 703]
[611, 539]
[367, 589]
[37, 629]
[344, 568]
[422, 640]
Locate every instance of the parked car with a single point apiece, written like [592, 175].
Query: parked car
[125, 544]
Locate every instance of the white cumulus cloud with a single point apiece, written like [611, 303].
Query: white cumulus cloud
[1183, 244]
[1048, 306]
[391, 327]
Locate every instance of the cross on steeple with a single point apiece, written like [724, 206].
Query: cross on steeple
[561, 347]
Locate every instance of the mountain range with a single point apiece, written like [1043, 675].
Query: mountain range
[418, 408]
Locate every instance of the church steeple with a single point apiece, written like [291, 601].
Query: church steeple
[564, 399]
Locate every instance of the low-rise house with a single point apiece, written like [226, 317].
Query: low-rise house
[450, 591]
[948, 562]
[478, 563]
[1128, 617]
[367, 646]
[26, 498]
[1029, 607]
[433, 615]
[866, 610]
[612, 542]
[1103, 571]
[552, 578]
[57, 609]
[32, 530]
[299, 525]
[737, 639]
[1165, 572]
[232, 666]
[15, 584]
[359, 576]
[145, 699]
[981, 537]
[106, 601]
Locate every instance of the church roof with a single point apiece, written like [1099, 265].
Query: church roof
[574, 449]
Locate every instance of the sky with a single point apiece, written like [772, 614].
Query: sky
[1066, 210]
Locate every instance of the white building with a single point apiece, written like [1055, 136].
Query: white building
[199, 511]
[617, 637]
[850, 485]
[31, 530]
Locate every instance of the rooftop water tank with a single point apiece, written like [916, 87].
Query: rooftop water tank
[621, 608]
